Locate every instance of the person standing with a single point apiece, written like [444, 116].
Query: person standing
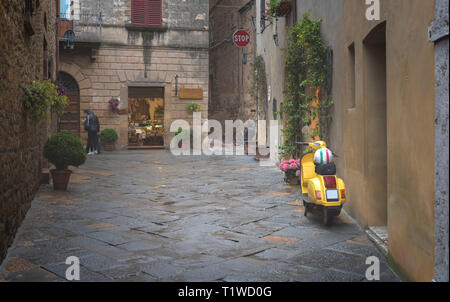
[92, 126]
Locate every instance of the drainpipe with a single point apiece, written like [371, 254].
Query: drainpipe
[439, 36]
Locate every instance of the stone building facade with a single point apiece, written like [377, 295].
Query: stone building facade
[28, 52]
[387, 101]
[231, 67]
[119, 57]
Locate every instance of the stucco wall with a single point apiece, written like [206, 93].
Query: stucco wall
[270, 41]
[410, 128]
[330, 12]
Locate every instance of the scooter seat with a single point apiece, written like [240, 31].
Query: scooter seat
[326, 169]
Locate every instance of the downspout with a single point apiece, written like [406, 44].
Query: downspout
[439, 36]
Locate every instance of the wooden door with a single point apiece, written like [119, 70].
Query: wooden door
[70, 119]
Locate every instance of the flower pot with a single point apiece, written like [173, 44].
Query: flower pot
[292, 180]
[291, 177]
[109, 146]
[60, 179]
[283, 9]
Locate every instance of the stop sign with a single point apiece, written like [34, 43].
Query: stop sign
[241, 38]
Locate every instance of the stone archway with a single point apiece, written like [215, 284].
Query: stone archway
[84, 84]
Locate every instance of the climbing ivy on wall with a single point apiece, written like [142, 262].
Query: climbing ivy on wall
[306, 99]
[260, 86]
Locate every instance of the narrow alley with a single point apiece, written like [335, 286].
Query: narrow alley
[151, 216]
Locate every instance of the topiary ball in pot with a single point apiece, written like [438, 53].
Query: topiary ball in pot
[63, 149]
[108, 136]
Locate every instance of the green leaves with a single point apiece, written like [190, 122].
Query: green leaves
[306, 72]
[193, 107]
[64, 149]
[40, 95]
[108, 135]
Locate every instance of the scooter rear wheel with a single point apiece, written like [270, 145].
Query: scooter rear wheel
[327, 217]
[305, 205]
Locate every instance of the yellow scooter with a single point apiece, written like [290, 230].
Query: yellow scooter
[321, 189]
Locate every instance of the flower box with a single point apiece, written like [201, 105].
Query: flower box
[283, 9]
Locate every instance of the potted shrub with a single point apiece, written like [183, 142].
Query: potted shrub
[291, 168]
[278, 8]
[193, 107]
[108, 136]
[63, 149]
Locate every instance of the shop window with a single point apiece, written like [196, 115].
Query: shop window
[145, 117]
[146, 12]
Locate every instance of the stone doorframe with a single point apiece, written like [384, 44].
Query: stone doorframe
[123, 129]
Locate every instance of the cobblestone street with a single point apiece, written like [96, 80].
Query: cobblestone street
[150, 216]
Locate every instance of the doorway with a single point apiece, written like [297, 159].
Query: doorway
[376, 129]
[145, 117]
[70, 119]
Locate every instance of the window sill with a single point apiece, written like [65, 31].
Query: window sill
[133, 27]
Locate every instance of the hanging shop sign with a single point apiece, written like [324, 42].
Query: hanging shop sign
[191, 93]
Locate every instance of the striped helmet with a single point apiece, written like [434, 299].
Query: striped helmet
[323, 156]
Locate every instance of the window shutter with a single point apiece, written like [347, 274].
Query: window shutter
[146, 12]
[138, 9]
[154, 12]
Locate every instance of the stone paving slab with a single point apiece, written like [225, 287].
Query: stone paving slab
[149, 216]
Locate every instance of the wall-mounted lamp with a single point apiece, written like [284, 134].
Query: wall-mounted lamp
[275, 32]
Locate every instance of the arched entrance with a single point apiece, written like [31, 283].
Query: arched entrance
[70, 120]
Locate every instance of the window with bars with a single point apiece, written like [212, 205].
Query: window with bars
[146, 12]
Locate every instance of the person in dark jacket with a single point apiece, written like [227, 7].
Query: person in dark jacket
[92, 126]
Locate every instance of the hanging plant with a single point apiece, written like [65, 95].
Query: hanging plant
[44, 94]
[278, 8]
[114, 104]
[193, 107]
[306, 98]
